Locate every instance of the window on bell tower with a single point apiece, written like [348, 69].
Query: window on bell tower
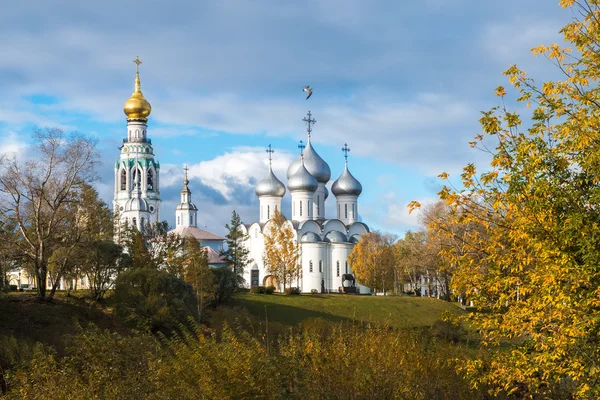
[123, 180]
[150, 179]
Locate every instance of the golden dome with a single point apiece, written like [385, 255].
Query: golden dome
[137, 107]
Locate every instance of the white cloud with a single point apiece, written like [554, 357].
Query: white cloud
[12, 143]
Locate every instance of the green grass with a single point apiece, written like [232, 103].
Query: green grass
[398, 312]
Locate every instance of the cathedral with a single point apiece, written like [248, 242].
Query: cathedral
[325, 243]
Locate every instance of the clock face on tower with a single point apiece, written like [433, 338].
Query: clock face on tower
[151, 209]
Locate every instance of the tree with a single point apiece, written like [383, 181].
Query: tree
[103, 261]
[35, 193]
[532, 265]
[282, 253]
[237, 255]
[372, 260]
[198, 273]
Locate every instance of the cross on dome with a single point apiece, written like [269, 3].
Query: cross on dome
[301, 146]
[137, 62]
[270, 152]
[185, 178]
[309, 121]
[346, 150]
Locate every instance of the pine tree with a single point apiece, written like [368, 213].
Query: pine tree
[237, 255]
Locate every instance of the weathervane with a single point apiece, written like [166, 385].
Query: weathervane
[310, 121]
[346, 150]
[270, 152]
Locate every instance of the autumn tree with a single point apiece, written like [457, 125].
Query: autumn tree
[236, 255]
[372, 261]
[282, 253]
[35, 193]
[532, 267]
[198, 273]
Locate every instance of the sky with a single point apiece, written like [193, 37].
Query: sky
[403, 83]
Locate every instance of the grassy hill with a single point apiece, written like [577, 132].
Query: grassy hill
[396, 311]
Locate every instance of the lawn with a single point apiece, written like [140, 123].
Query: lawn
[396, 311]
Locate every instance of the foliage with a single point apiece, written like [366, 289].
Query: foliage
[103, 261]
[291, 290]
[154, 300]
[372, 261]
[529, 250]
[448, 327]
[225, 284]
[197, 273]
[282, 253]
[314, 291]
[236, 255]
[269, 289]
[257, 289]
[319, 361]
[40, 195]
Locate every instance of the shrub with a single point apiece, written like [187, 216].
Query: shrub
[270, 290]
[291, 290]
[314, 291]
[257, 289]
[448, 328]
[154, 300]
[225, 285]
[12, 288]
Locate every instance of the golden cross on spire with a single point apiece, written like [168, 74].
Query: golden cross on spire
[137, 62]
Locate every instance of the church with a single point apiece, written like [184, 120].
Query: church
[325, 243]
[137, 181]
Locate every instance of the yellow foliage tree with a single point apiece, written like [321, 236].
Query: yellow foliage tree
[373, 260]
[197, 272]
[531, 266]
[282, 253]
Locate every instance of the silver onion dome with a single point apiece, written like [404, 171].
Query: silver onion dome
[302, 181]
[310, 237]
[270, 186]
[335, 237]
[346, 184]
[313, 163]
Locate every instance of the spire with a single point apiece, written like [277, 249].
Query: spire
[137, 107]
[186, 181]
[309, 122]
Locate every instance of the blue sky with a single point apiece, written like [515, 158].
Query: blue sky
[401, 82]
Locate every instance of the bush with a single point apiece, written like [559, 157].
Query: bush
[448, 328]
[270, 290]
[257, 289]
[225, 285]
[314, 291]
[12, 288]
[291, 290]
[154, 300]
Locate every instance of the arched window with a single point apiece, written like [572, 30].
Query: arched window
[353, 210]
[191, 220]
[134, 222]
[320, 265]
[178, 220]
[150, 179]
[142, 222]
[337, 268]
[346, 266]
[134, 176]
[309, 208]
[310, 266]
[339, 211]
[268, 212]
[345, 210]
[300, 207]
[123, 180]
